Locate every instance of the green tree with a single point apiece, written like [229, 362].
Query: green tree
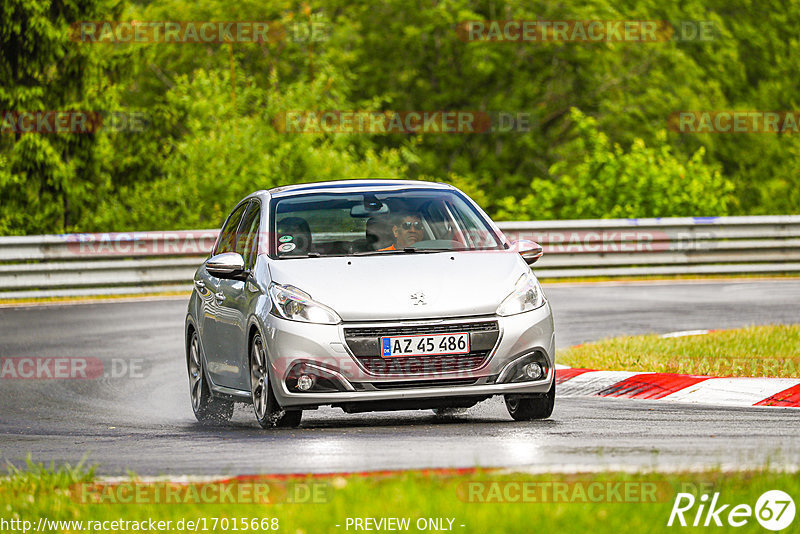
[48, 181]
[601, 180]
[213, 105]
[232, 147]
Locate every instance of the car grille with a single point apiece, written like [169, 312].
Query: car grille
[364, 342]
[424, 383]
[410, 330]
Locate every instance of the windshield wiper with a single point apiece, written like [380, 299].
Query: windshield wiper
[376, 252]
[407, 250]
[427, 250]
[308, 255]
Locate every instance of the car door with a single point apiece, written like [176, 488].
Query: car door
[238, 298]
[233, 300]
[214, 315]
[246, 303]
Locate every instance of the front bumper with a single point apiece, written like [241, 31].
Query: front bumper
[324, 347]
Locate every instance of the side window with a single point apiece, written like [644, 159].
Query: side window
[476, 233]
[227, 238]
[247, 239]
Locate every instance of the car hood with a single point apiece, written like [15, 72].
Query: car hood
[376, 288]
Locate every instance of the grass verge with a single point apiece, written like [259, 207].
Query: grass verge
[94, 298]
[772, 351]
[461, 502]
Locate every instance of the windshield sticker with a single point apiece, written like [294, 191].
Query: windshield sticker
[286, 247]
[285, 238]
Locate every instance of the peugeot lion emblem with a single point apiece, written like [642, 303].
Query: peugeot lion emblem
[418, 298]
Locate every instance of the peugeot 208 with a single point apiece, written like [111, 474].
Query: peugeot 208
[366, 295]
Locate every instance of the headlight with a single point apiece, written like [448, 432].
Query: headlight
[527, 295]
[293, 304]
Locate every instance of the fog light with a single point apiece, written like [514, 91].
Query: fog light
[305, 382]
[533, 371]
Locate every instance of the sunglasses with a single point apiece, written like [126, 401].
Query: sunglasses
[417, 225]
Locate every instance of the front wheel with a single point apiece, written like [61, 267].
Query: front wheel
[267, 410]
[530, 408]
[207, 409]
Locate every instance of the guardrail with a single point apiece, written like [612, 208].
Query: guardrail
[140, 262]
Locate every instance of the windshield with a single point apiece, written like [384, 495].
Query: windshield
[372, 223]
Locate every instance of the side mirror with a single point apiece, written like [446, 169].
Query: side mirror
[225, 265]
[529, 250]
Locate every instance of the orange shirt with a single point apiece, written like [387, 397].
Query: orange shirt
[387, 248]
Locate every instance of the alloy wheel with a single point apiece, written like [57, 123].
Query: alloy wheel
[259, 378]
[195, 373]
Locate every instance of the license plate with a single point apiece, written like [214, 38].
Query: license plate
[421, 345]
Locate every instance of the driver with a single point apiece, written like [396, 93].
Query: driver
[407, 230]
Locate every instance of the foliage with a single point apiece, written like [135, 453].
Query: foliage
[596, 144]
[641, 182]
[231, 147]
[48, 181]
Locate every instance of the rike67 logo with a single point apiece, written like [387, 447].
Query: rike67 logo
[774, 510]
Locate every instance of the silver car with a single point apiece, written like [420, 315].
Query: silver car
[367, 295]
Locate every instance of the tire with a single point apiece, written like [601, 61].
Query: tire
[529, 408]
[207, 409]
[268, 412]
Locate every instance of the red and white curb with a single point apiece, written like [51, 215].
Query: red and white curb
[696, 389]
[740, 391]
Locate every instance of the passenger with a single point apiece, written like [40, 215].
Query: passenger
[378, 232]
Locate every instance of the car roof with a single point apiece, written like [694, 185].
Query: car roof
[344, 185]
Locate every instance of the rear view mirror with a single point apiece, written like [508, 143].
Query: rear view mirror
[360, 211]
[225, 265]
[529, 250]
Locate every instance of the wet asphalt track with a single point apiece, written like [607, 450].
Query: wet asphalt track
[145, 423]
